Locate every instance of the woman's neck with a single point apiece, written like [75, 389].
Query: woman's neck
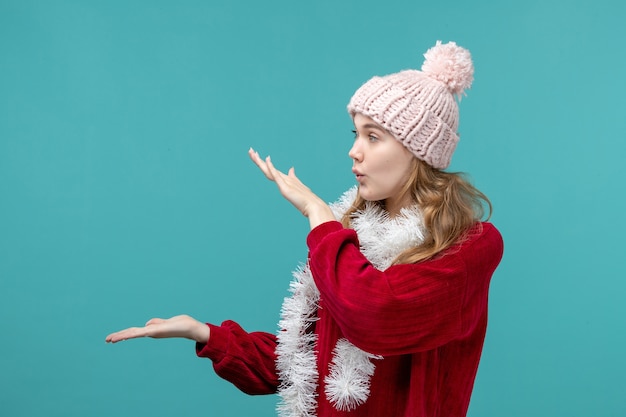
[394, 206]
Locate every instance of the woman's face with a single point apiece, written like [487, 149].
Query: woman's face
[382, 165]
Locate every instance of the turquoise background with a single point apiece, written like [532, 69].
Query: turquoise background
[126, 191]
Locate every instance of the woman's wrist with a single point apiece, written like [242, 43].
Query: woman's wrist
[319, 214]
[201, 332]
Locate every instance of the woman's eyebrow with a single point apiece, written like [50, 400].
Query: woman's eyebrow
[372, 126]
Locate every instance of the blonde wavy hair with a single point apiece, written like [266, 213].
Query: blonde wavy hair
[450, 206]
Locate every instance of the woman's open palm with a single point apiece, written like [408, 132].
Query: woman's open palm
[294, 191]
[182, 326]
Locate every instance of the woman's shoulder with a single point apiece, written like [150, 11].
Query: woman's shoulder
[485, 233]
[481, 234]
[482, 244]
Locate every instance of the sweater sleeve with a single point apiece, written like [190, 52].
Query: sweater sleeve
[247, 360]
[404, 309]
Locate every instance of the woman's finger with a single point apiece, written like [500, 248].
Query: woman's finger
[155, 320]
[130, 333]
[276, 174]
[260, 163]
[288, 184]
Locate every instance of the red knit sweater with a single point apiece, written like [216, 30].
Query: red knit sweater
[427, 320]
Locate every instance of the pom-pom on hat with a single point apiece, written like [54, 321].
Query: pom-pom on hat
[419, 108]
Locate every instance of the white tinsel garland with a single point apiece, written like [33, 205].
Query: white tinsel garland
[348, 383]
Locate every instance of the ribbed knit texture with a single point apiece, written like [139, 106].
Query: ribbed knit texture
[427, 320]
[419, 107]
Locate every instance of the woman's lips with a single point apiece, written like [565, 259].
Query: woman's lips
[359, 176]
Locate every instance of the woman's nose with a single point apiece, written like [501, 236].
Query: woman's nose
[355, 152]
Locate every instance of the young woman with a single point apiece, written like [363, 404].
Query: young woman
[389, 314]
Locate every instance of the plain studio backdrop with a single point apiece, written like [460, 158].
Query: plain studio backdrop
[126, 191]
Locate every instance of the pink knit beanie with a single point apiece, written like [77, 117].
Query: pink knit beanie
[419, 108]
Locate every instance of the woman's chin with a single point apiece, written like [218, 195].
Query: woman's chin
[368, 196]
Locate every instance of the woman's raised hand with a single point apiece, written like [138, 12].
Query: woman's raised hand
[294, 191]
[178, 326]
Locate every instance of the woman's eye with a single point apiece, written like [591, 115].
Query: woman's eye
[370, 137]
